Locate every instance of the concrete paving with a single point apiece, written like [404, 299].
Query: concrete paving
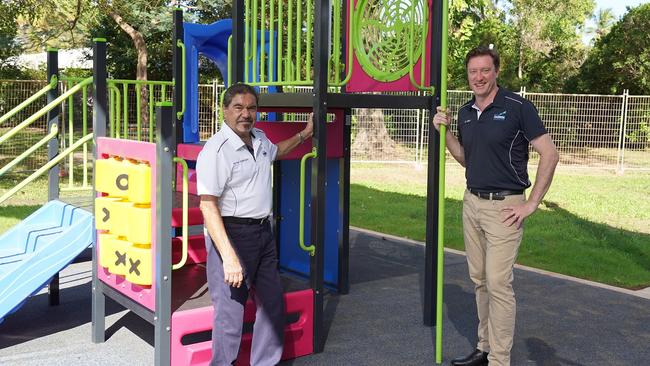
[560, 321]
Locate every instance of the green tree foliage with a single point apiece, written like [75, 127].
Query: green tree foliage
[548, 42]
[603, 21]
[10, 13]
[620, 59]
[538, 40]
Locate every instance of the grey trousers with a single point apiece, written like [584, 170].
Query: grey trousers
[255, 246]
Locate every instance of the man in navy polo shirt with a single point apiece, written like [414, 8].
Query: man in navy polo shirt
[494, 130]
[234, 182]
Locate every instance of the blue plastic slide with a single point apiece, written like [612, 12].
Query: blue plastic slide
[38, 248]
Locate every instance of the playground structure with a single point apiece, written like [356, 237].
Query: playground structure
[158, 273]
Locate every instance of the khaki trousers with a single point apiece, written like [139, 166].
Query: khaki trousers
[492, 249]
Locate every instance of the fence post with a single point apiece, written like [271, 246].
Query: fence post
[623, 132]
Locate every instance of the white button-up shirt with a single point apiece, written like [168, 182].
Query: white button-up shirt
[226, 169]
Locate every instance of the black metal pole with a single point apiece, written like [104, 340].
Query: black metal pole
[100, 109]
[237, 56]
[319, 167]
[177, 135]
[433, 173]
[344, 185]
[344, 205]
[52, 152]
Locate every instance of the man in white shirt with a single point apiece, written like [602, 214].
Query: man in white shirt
[234, 183]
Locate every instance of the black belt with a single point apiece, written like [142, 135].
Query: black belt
[244, 220]
[496, 195]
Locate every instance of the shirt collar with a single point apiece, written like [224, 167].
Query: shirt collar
[499, 99]
[235, 141]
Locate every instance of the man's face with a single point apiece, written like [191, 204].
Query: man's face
[239, 115]
[481, 75]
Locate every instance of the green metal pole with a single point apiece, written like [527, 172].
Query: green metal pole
[441, 182]
[70, 136]
[138, 115]
[151, 117]
[84, 132]
[126, 110]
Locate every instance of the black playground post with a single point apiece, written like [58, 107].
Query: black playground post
[177, 133]
[52, 152]
[433, 173]
[237, 61]
[98, 311]
[318, 168]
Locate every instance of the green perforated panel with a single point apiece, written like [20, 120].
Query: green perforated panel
[387, 36]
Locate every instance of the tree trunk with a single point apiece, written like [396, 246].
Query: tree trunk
[141, 68]
[372, 140]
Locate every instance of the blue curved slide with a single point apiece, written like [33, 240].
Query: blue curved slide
[38, 248]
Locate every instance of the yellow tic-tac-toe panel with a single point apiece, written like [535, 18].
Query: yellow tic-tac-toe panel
[140, 183]
[103, 214]
[119, 217]
[112, 177]
[139, 269]
[116, 256]
[139, 224]
[106, 246]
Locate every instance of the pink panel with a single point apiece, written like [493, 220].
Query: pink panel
[141, 151]
[277, 132]
[360, 81]
[298, 336]
[196, 252]
[194, 216]
[187, 152]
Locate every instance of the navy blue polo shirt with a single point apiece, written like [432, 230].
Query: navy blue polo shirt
[496, 143]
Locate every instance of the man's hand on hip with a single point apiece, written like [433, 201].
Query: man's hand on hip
[515, 215]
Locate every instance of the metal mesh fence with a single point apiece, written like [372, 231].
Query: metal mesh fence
[611, 132]
[585, 128]
[635, 147]
[12, 93]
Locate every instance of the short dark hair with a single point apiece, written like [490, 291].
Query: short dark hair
[238, 88]
[484, 51]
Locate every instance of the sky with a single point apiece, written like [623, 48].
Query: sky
[618, 6]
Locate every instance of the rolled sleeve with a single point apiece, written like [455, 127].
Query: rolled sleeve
[273, 148]
[212, 172]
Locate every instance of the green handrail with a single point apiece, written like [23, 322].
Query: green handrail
[53, 132]
[44, 110]
[301, 236]
[441, 181]
[181, 263]
[180, 113]
[46, 167]
[53, 83]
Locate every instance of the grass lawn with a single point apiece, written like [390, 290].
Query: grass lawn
[592, 226]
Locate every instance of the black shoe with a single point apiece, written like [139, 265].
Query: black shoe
[476, 358]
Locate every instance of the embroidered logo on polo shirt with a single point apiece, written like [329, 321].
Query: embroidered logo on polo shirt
[500, 116]
[467, 121]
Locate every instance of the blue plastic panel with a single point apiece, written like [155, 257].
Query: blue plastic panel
[293, 258]
[38, 248]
